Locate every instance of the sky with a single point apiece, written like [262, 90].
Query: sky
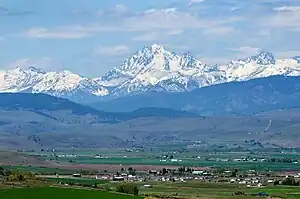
[89, 37]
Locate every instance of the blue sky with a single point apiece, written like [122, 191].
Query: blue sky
[91, 36]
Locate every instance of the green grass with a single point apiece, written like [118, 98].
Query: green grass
[194, 188]
[187, 162]
[40, 170]
[59, 193]
[80, 181]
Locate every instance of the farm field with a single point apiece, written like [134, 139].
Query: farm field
[44, 170]
[80, 181]
[191, 159]
[59, 193]
[210, 190]
[179, 190]
[189, 163]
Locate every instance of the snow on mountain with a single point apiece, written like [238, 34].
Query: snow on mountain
[155, 69]
[59, 84]
[150, 69]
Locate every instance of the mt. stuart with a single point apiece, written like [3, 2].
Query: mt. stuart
[150, 69]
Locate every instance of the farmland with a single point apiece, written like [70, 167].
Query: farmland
[59, 193]
[241, 160]
[157, 174]
[171, 190]
[215, 190]
[80, 181]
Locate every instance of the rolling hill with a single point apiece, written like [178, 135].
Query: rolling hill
[31, 120]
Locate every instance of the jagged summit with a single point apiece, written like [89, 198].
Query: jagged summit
[156, 48]
[297, 58]
[264, 58]
[152, 68]
[64, 83]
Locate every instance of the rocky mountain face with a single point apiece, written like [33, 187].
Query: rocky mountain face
[233, 98]
[150, 69]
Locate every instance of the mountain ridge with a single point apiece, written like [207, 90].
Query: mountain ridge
[150, 69]
[44, 104]
[231, 98]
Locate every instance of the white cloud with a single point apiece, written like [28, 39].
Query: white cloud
[174, 32]
[170, 19]
[191, 2]
[44, 63]
[284, 17]
[248, 49]
[287, 54]
[61, 34]
[245, 51]
[118, 9]
[287, 8]
[112, 50]
[121, 8]
[218, 31]
[157, 35]
[149, 36]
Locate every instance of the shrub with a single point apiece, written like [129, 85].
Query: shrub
[20, 176]
[290, 181]
[128, 188]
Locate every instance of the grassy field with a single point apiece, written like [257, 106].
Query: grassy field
[80, 181]
[217, 190]
[181, 190]
[183, 160]
[59, 193]
[40, 170]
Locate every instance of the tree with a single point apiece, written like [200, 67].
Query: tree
[276, 182]
[1, 171]
[290, 181]
[131, 171]
[128, 188]
[189, 170]
[234, 173]
[164, 171]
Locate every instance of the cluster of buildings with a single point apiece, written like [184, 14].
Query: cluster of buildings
[250, 178]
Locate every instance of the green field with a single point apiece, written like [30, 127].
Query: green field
[40, 170]
[187, 162]
[80, 181]
[59, 193]
[187, 159]
[211, 190]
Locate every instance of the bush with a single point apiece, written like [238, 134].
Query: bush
[290, 181]
[128, 188]
[20, 176]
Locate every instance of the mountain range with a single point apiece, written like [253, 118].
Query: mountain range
[35, 121]
[151, 69]
[27, 120]
[227, 99]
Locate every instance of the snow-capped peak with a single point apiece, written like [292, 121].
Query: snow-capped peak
[156, 48]
[297, 58]
[55, 83]
[264, 58]
[152, 68]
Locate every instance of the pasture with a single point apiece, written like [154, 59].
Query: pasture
[211, 190]
[59, 193]
[187, 159]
